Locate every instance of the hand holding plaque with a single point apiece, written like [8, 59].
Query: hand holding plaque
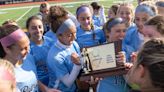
[100, 57]
[100, 61]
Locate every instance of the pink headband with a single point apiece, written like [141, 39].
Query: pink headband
[12, 38]
[6, 75]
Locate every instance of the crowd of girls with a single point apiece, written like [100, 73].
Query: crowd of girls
[48, 57]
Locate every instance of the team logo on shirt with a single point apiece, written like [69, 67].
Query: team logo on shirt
[32, 88]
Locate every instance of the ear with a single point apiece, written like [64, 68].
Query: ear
[59, 35]
[7, 50]
[142, 71]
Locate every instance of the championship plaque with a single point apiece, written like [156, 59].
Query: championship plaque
[100, 61]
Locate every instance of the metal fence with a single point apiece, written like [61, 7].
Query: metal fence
[18, 1]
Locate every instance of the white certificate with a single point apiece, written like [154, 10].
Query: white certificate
[102, 56]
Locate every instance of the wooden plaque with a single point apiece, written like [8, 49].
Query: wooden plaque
[102, 56]
[100, 61]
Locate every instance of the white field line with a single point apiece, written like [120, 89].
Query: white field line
[24, 14]
[31, 7]
[51, 4]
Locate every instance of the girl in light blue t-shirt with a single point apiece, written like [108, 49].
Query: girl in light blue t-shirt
[39, 47]
[87, 33]
[63, 59]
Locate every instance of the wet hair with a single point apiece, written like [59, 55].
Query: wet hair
[4, 31]
[57, 16]
[30, 19]
[158, 22]
[95, 5]
[43, 5]
[151, 56]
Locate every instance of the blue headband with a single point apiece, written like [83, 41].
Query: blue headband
[82, 9]
[65, 25]
[146, 9]
[114, 22]
[160, 3]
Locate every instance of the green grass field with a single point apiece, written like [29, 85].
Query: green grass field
[20, 14]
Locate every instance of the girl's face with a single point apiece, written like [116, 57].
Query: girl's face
[150, 31]
[117, 32]
[133, 75]
[85, 19]
[19, 50]
[68, 36]
[140, 19]
[36, 29]
[45, 10]
[111, 14]
[126, 14]
[139, 77]
[96, 11]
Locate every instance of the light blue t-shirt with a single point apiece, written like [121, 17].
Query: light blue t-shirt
[112, 84]
[90, 38]
[132, 41]
[115, 83]
[60, 64]
[96, 20]
[40, 52]
[25, 74]
[51, 35]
